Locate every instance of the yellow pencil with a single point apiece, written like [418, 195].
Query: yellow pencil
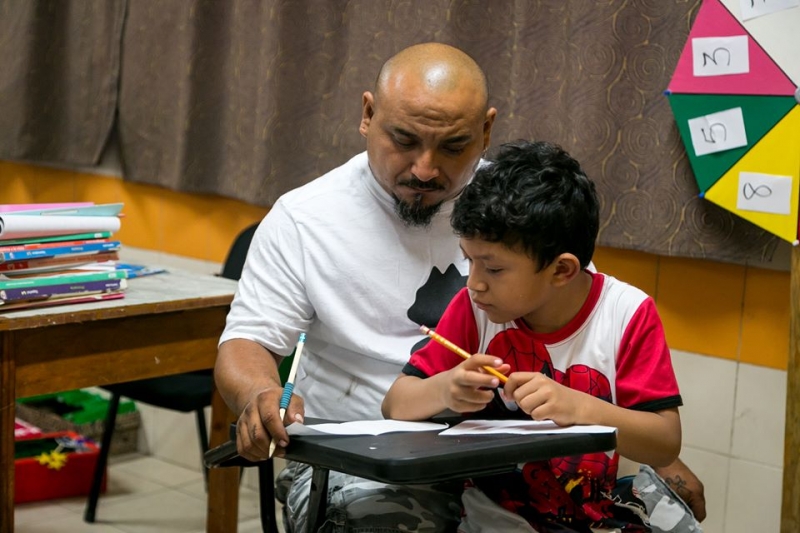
[455, 349]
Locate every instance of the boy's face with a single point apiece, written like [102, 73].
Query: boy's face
[505, 284]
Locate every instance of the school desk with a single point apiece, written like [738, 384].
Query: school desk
[166, 324]
[415, 457]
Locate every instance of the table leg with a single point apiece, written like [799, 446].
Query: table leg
[7, 409]
[223, 483]
[318, 499]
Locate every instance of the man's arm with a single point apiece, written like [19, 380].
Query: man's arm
[246, 375]
[686, 485]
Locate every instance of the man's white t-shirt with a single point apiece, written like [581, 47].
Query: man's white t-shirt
[333, 259]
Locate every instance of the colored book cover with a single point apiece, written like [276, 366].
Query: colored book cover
[63, 290]
[35, 280]
[57, 238]
[138, 271]
[50, 302]
[59, 262]
[8, 208]
[82, 249]
[39, 245]
[101, 210]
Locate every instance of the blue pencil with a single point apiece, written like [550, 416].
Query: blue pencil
[288, 387]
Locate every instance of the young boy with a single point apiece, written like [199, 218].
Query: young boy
[578, 347]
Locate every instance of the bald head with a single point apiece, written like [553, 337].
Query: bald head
[426, 124]
[436, 68]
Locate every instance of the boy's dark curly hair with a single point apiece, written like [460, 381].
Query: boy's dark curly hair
[532, 197]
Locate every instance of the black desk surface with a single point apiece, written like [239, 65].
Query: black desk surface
[423, 457]
[426, 457]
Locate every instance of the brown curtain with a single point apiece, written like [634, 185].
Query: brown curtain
[59, 68]
[249, 99]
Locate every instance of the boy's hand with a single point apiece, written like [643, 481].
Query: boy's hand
[544, 399]
[468, 388]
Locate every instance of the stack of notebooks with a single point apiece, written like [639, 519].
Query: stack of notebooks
[54, 254]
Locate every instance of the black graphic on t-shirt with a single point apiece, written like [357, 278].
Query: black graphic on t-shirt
[432, 298]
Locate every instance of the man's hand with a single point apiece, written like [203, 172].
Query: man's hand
[260, 423]
[686, 485]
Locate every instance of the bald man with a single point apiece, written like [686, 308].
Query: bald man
[358, 259]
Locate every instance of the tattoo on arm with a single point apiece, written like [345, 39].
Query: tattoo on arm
[678, 484]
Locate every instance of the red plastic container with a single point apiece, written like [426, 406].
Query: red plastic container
[45, 477]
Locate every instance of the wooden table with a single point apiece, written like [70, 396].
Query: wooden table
[166, 324]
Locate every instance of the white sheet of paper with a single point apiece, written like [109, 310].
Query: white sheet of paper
[363, 427]
[23, 226]
[720, 56]
[767, 193]
[758, 8]
[520, 427]
[718, 132]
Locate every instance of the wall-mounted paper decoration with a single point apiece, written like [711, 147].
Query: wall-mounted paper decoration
[760, 113]
[718, 132]
[720, 56]
[778, 154]
[741, 129]
[767, 193]
[764, 77]
[758, 8]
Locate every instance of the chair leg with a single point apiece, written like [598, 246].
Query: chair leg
[102, 459]
[266, 496]
[203, 434]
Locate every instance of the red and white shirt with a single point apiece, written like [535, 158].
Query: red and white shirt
[614, 349]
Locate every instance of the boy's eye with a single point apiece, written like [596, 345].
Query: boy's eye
[493, 270]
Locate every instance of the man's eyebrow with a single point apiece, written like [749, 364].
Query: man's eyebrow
[400, 131]
[458, 139]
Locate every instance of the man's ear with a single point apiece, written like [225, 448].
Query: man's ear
[487, 128]
[565, 267]
[367, 111]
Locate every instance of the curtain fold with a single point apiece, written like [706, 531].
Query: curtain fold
[249, 99]
[59, 68]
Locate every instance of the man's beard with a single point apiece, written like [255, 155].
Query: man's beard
[414, 213]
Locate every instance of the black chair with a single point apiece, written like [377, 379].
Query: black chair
[188, 392]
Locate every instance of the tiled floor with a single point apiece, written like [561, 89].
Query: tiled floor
[145, 495]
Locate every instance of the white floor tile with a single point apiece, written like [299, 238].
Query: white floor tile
[157, 471]
[145, 495]
[249, 506]
[173, 438]
[119, 487]
[36, 512]
[73, 523]
[167, 511]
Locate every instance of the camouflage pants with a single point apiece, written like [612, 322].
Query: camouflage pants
[357, 505]
[667, 511]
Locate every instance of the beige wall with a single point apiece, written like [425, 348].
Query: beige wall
[728, 326]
